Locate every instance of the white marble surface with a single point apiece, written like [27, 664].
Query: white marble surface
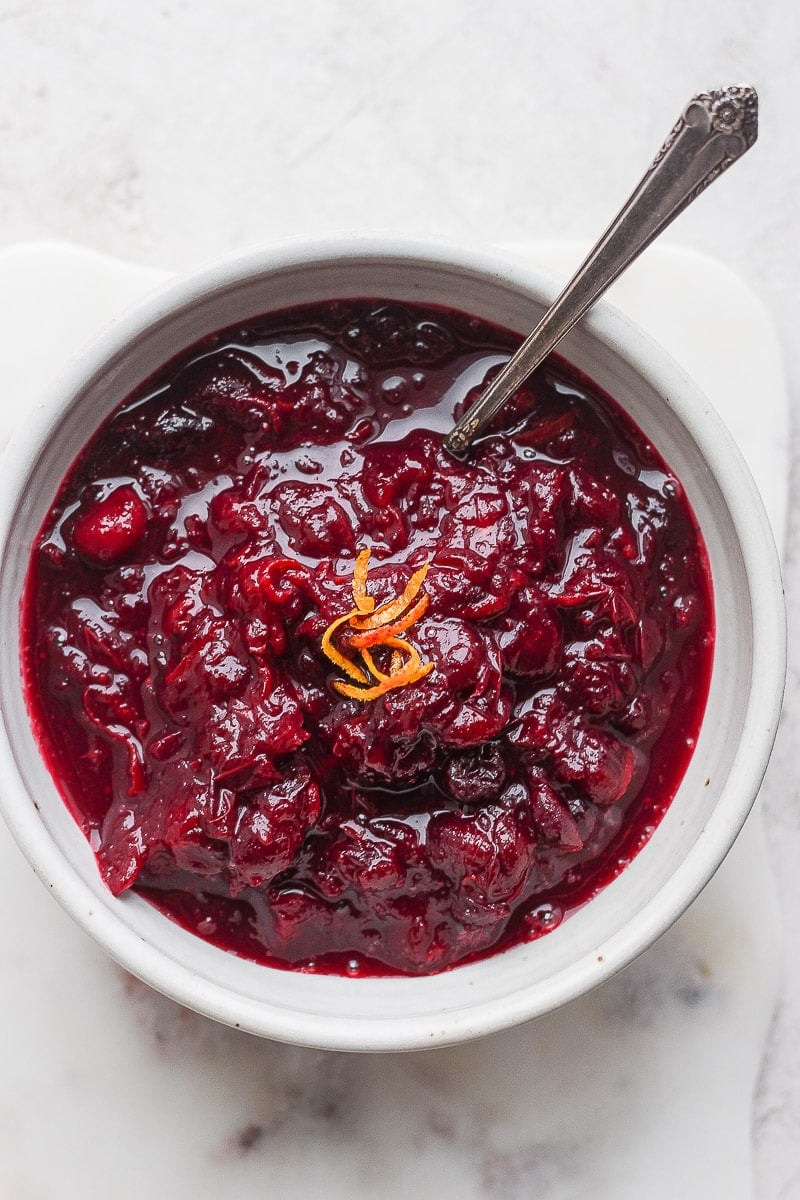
[167, 132]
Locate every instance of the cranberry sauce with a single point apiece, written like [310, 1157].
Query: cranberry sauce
[204, 546]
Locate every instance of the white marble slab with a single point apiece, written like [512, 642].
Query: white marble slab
[108, 1090]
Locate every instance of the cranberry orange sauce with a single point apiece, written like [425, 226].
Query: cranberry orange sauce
[355, 762]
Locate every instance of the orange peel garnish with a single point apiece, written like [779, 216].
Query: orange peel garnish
[376, 628]
[334, 655]
[390, 611]
[407, 674]
[374, 637]
[399, 646]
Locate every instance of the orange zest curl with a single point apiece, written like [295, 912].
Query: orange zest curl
[333, 654]
[363, 602]
[375, 628]
[393, 608]
[380, 636]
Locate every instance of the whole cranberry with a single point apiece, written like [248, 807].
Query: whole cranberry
[234, 385]
[107, 531]
[551, 815]
[367, 862]
[270, 830]
[529, 640]
[392, 472]
[474, 776]
[315, 523]
[596, 762]
[487, 853]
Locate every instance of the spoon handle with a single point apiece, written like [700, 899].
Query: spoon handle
[713, 131]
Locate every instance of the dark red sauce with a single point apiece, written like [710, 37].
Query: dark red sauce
[205, 539]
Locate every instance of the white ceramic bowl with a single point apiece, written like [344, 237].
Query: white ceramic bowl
[723, 776]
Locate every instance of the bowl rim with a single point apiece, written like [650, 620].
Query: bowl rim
[761, 568]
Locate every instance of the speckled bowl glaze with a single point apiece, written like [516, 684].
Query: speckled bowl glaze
[715, 795]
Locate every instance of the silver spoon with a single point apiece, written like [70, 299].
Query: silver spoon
[713, 131]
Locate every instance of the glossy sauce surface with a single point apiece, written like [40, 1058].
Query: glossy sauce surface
[205, 540]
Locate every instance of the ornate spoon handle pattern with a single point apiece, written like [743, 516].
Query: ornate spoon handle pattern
[713, 131]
